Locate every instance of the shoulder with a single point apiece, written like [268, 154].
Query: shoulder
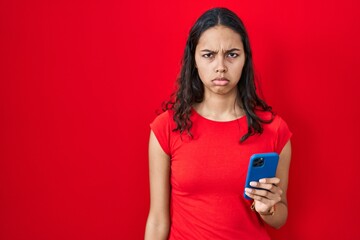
[162, 127]
[279, 122]
[277, 130]
[265, 115]
[163, 118]
[164, 121]
[276, 123]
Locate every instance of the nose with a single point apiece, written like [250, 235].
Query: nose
[221, 68]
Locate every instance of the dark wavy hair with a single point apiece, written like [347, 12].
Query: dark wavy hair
[190, 89]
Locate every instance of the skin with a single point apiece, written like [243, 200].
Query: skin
[219, 54]
[158, 222]
[276, 194]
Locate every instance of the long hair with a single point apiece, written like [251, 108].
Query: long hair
[190, 89]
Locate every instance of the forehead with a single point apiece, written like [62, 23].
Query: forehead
[219, 37]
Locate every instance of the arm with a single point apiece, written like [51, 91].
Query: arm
[158, 222]
[265, 201]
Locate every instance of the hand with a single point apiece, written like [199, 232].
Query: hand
[268, 196]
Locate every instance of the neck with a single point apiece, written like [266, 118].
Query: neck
[219, 107]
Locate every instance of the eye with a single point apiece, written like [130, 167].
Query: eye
[233, 55]
[208, 55]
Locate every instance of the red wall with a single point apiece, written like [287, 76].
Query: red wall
[81, 80]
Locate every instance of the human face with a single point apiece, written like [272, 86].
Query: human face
[220, 58]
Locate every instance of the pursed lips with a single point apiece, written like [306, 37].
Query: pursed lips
[220, 81]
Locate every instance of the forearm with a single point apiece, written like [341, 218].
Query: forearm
[278, 219]
[156, 231]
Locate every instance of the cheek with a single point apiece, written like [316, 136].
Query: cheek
[204, 71]
[237, 70]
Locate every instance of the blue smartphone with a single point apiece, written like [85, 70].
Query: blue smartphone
[261, 165]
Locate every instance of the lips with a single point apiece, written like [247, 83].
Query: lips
[220, 81]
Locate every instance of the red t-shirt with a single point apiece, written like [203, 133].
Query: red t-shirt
[208, 175]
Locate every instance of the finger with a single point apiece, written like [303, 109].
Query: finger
[269, 187]
[248, 193]
[259, 194]
[262, 199]
[252, 192]
[268, 195]
[273, 180]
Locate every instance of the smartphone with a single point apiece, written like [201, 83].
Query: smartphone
[261, 165]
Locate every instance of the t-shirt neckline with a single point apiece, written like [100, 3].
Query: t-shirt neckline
[216, 121]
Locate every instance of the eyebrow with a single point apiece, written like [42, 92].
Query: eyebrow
[227, 51]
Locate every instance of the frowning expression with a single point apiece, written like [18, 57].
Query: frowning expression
[220, 58]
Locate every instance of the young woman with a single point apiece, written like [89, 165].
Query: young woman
[199, 148]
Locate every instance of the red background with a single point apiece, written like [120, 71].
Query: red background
[80, 81]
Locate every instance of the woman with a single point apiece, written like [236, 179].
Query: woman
[199, 148]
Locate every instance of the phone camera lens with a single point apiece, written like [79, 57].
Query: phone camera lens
[258, 162]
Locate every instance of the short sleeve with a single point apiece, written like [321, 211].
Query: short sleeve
[283, 135]
[161, 128]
